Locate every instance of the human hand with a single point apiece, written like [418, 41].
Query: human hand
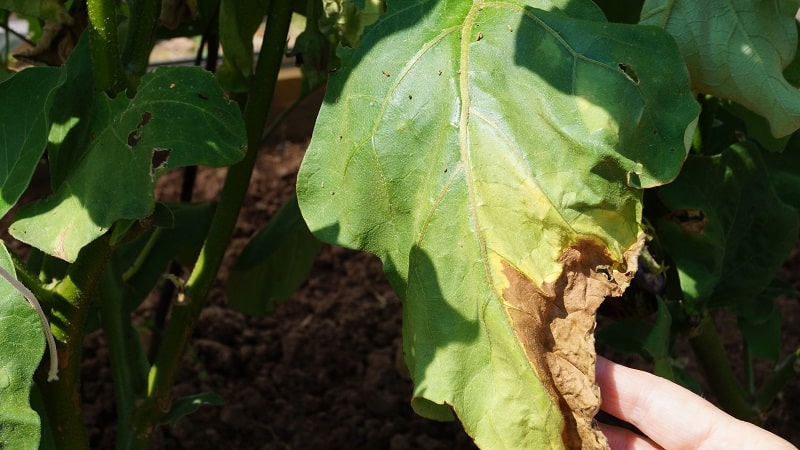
[671, 416]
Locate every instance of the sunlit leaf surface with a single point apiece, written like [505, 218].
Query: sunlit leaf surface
[492, 154]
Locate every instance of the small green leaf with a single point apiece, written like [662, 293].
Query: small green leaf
[274, 263]
[189, 404]
[238, 21]
[21, 349]
[727, 230]
[179, 117]
[737, 49]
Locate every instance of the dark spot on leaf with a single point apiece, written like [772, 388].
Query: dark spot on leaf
[202, 96]
[332, 193]
[629, 72]
[692, 221]
[410, 96]
[440, 72]
[385, 73]
[479, 37]
[510, 30]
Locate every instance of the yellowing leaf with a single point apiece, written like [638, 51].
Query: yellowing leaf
[737, 49]
[492, 154]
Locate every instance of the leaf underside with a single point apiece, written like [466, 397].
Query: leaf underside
[737, 50]
[492, 155]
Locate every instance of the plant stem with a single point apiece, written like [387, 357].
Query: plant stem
[710, 355]
[70, 305]
[128, 362]
[103, 41]
[184, 315]
[139, 39]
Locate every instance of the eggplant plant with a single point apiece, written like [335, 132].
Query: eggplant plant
[514, 164]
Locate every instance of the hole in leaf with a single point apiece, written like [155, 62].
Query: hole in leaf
[158, 161]
[134, 138]
[692, 221]
[629, 72]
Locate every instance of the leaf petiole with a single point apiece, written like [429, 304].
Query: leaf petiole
[52, 374]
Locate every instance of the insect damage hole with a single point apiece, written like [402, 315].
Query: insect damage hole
[629, 72]
[136, 135]
[158, 161]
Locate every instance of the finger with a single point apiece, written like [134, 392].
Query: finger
[622, 439]
[672, 416]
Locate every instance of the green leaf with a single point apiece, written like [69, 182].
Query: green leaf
[189, 404]
[650, 339]
[491, 154]
[42, 9]
[23, 129]
[238, 22]
[762, 335]
[148, 256]
[737, 49]
[70, 114]
[727, 230]
[179, 117]
[21, 348]
[758, 129]
[274, 263]
[784, 172]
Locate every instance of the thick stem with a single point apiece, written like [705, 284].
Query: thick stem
[139, 39]
[184, 315]
[69, 307]
[716, 368]
[103, 41]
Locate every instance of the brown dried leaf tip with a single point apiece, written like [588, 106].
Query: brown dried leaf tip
[555, 324]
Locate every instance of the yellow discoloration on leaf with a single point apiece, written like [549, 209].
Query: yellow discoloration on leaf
[555, 325]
